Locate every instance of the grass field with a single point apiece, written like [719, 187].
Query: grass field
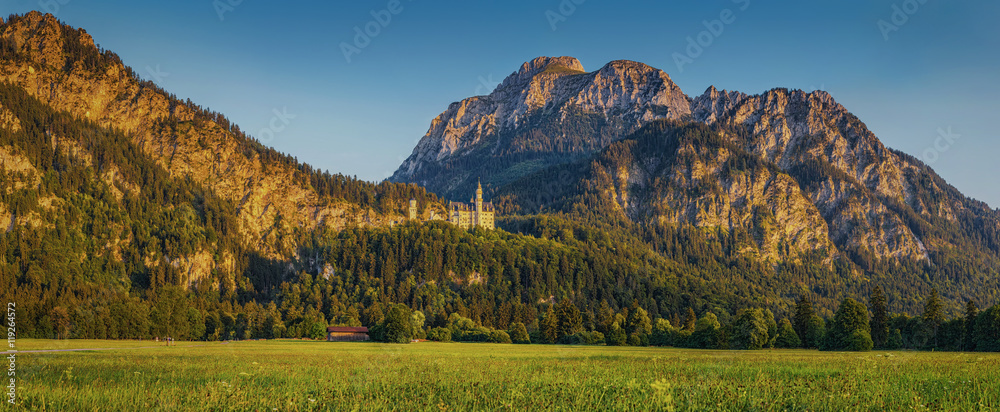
[306, 375]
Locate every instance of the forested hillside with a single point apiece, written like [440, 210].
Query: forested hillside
[689, 193]
[63, 68]
[94, 225]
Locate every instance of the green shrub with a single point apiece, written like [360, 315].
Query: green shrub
[439, 335]
[616, 336]
[498, 336]
[519, 333]
[787, 338]
[860, 341]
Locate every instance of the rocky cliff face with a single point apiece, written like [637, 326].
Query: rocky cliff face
[799, 131]
[538, 113]
[838, 186]
[688, 178]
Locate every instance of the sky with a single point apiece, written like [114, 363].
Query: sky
[921, 74]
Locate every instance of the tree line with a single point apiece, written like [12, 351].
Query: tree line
[854, 327]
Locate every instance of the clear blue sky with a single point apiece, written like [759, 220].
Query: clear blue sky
[939, 70]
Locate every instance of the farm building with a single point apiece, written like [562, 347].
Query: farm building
[346, 333]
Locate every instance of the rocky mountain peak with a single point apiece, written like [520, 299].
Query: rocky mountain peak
[541, 64]
[623, 66]
[37, 36]
[548, 93]
[714, 104]
[551, 67]
[45, 40]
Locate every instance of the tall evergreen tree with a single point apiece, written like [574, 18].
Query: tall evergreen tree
[803, 319]
[971, 312]
[690, 320]
[880, 318]
[638, 322]
[550, 326]
[933, 316]
[569, 319]
[604, 317]
[988, 330]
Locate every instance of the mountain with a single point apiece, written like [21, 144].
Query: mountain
[548, 112]
[129, 213]
[794, 172]
[272, 198]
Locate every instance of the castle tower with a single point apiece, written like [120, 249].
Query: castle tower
[479, 203]
[413, 209]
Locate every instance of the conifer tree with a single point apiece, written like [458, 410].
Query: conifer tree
[550, 326]
[880, 318]
[803, 320]
[971, 312]
[569, 319]
[638, 321]
[933, 316]
[690, 320]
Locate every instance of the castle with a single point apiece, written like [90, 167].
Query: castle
[478, 213]
[464, 215]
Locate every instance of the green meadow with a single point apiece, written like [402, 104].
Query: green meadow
[288, 375]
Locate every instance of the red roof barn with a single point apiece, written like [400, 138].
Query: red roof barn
[346, 333]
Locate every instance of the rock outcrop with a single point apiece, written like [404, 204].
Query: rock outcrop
[536, 113]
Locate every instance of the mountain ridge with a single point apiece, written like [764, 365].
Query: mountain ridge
[272, 193]
[877, 203]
